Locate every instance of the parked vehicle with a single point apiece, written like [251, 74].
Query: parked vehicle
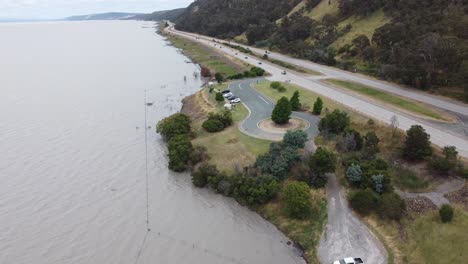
[225, 91]
[284, 72]
[226, 95]
[349, 261]
[232, 97]
[235, 101]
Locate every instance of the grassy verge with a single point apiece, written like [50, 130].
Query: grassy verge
[388, 98]
[305, 232]
[425, 239]
[207, 57]
[307, 98]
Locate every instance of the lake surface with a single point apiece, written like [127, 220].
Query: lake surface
[72, 155]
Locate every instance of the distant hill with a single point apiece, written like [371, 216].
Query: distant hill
[104, 16]
[171, 15]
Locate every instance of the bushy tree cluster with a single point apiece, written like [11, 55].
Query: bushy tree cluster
[176, 124]
[252, 73]
[335, 122]
[217, 122]
[176, 130]
[278, 160]
[179, 150]
[296, 199]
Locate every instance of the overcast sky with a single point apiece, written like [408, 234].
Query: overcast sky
[52, 9]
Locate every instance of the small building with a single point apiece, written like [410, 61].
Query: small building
[228, 107]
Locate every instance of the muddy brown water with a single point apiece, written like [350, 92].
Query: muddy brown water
[72, 155]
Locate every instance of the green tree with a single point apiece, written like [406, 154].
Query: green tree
[391, 206]
[219, 97]
[417, 144]
[323, 161]
[219, 77]
[201, 175]
[296, 200]
[364, 201]
[446, 213]
[371, 145]
[295, 101]
[354, 174]
[277, 161]
[282, 111]
[176, 124]
[335, 122]
[295, 138]
[179, 150]
[318, 106]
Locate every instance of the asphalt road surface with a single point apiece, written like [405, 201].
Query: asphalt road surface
[440, 135]
[260, 108]
[345, 235]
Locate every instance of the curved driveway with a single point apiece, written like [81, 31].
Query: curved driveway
[260, 108]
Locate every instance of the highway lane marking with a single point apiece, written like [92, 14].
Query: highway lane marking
[263, 99]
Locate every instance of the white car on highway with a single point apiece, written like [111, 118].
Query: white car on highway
[349, 261]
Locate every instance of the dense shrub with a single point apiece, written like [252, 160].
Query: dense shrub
[213, 125]
[277, 161]
[440, 165]
[282, 111]
[323, 161]
[295, 101]
[176, 124]
[371, 146]
[295, 138]
[201, 175]
[219, 97]
[205, 72]
[417, 144]
[352, 141]
[391, 206]
[446, 213]
[378, 183]
[254, 190]
[275, 85]
[335, 122]
[364, 201]
[296, 200]
[218, 122]
[318, 106]
[198, 155]
[354, 174]
[219, 77]
[179, 148]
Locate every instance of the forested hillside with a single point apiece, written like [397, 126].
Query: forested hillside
[229, 18]
[421, 43]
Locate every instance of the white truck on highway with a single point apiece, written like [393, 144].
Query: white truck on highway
[349, 261]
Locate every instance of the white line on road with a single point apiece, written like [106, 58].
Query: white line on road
[263, 100]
